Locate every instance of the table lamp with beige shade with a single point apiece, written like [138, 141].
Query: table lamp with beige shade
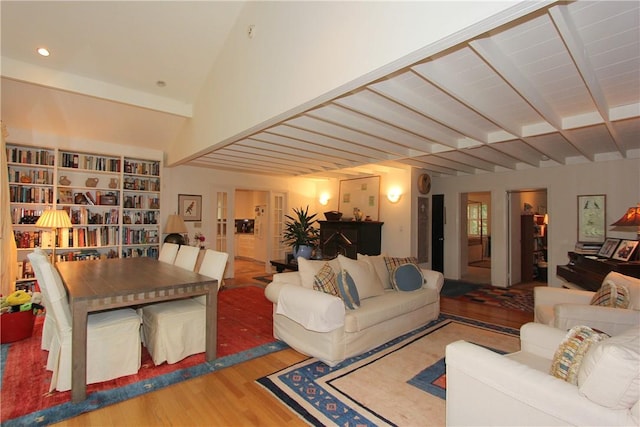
[54, 219]
[175, 228]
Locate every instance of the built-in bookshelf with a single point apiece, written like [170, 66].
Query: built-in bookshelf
[113, 202]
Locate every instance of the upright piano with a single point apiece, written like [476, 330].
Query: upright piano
[587, 271]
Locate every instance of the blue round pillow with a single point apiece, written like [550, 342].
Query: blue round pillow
[407, 277]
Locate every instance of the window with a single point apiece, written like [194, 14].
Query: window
[477, 222]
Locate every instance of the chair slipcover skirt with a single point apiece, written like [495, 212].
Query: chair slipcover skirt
[113, 349]
[174, 330]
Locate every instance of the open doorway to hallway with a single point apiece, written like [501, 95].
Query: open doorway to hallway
[250, 226]
[476, 248]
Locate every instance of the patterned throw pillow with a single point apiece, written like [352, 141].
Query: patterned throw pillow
[348, 291]
[407, 277]
[568, 357]
[325, 281]
[611, 294]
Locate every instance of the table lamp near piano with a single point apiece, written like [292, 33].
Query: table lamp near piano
[588, 271]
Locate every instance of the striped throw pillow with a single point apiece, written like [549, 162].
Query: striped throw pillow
[325, 281]
[568, 357]
[611, 295]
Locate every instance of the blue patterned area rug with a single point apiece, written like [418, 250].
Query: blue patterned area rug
[400, 383]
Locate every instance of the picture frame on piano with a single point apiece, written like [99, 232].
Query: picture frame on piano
[625, 250]
[608, 248]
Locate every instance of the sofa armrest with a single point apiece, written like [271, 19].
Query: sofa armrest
[314, 310]
[610, 320]
[280, 279]
[486, 388]
[541, 340]
[432, 279]
[545, 295]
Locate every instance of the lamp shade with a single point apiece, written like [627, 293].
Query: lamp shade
[53, 218]
[175, 224]
[629, 219]
[175, 229]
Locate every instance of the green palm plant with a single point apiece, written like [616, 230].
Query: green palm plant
[299, 229]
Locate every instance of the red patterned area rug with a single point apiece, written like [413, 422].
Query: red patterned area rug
[516, 299]
[244, 331]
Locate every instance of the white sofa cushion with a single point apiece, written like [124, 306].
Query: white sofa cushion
[380, 266]
[364, 276]
[392, 304]
[610, 372]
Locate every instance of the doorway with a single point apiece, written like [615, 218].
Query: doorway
[250, 225]
[528, 236]
[476, 237]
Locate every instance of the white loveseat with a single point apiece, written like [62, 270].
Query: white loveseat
[317, 324]
[486, 388]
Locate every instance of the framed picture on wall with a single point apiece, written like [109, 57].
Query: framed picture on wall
[190, 207]
[591, 218]
[360, 193]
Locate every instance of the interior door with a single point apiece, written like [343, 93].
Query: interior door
[278, 249]
[437, 234]
[423, 229]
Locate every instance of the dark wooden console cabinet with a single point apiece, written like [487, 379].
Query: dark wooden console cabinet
[588, 273]
[350, 238]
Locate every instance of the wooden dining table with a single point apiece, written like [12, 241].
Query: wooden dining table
[127, 282]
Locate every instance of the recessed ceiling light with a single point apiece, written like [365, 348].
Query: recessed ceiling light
[43, 51]
[161, 83]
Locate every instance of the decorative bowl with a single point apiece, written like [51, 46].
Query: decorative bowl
[333, 215]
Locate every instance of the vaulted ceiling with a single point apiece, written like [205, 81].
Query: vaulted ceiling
[557, 87]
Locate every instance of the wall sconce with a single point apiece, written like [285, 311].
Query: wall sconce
[394, 195]
[324, 199]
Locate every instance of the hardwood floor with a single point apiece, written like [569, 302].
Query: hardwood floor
[231, 397]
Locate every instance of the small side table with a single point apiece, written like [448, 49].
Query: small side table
[282, 265]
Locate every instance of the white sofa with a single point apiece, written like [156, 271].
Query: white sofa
[564, 308]
[486, 388]
[324, 329]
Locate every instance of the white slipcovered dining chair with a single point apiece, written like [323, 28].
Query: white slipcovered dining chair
[49, 326]
[113, 336]
[174, 330]
[187, 257]
[168, 252]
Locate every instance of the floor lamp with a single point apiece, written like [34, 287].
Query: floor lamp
[53, 219]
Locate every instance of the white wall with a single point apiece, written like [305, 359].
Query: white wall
[618, 179]
[304, 53]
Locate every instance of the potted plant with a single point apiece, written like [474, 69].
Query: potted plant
[300, 232]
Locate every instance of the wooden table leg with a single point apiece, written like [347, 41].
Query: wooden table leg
[79, 315]
[212, 322]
